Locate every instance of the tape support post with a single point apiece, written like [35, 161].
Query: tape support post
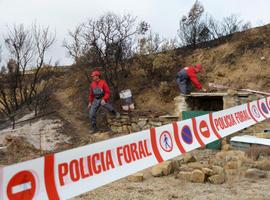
[70, 173]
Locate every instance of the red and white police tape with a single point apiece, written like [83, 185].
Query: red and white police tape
[70, 173]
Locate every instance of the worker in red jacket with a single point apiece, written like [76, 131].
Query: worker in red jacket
[99, 94]
[188, 75]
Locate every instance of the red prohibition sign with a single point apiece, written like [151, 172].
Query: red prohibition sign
[165, 141]
[21, 186]
[204, 129]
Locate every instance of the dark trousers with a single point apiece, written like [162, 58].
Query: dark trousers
[94, 108]
[183, 82]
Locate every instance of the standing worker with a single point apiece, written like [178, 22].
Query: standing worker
[187, 75]
[99, 94]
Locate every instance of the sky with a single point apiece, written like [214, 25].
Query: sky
[162, 15]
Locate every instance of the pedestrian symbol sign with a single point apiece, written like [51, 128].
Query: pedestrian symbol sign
[165, 141]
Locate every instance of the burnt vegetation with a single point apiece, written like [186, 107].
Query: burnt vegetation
[117, 45]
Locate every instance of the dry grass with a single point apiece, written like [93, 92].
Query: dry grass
[255, 152]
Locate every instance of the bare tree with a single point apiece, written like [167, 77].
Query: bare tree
[192, 28]
[3, 70]
[215, 28]
[107, 42]
[150, 44]
[156, 55]
[231, 24]
[43, 40]
[27, 48]
[77, 47]
[227, 26]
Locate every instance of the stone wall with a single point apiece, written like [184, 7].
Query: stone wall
[134, 123]
[180, 105]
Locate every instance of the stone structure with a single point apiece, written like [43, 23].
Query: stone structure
[212, 101]
[139, 121]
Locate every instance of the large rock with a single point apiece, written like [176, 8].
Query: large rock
[197, 176]
[119, 129]
[162, 169]
[197, 165]
[207, 171]
[155, 124]
[216, 179]
[189, 158]
[185, 168]
[135, 127]
[138, 177]
[263, 165]
[114, 128]
[218, 170]
[176, 163]
[142, 122]
[125, 129]
[255, 173]
[185, 176]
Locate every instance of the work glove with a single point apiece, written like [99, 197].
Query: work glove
[89, 106]
[103, 102]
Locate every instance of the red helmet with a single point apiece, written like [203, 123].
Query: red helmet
[95, 73]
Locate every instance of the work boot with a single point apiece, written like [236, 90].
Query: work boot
[93, 129]
[116, 114]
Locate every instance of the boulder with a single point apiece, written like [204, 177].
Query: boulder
[176, 163]
[138, 177]
[197, 165]
[119, 129]
[185, 176]
[218, 170]
[255, 173]
[207, 171]
[185, 168]
[142, 121]
[125, 129]
[162, 169]
[135, 127]
[155, 124]
[197, 176]
[263, 165]
[216, 179]
[189, 158]
[114, 128]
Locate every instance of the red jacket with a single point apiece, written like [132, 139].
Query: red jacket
[102, 85]
[192, 74]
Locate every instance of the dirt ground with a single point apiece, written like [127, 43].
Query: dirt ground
[236, 187]
[169, 188]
